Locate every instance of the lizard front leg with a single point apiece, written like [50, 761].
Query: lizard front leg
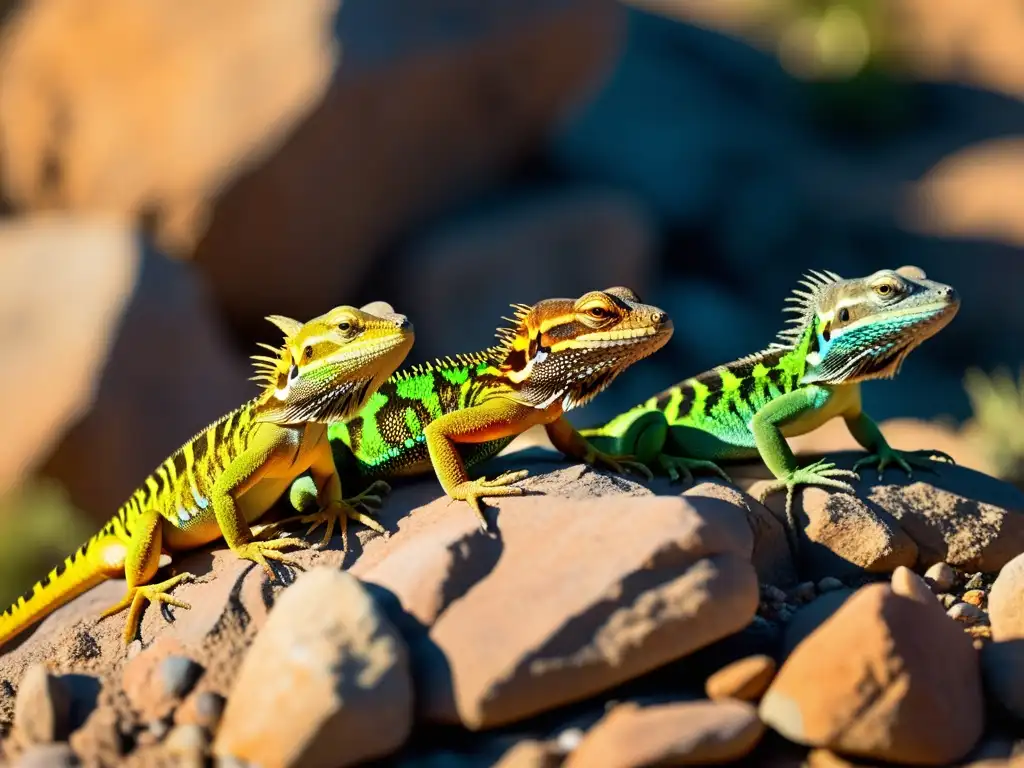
[271, 450]
[141, 562]
[881, 454]
[490, 420]
[333, 508]
[566, 439]
[777, 455]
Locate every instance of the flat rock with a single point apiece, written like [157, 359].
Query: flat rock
[686, 733]
[326, 669]
[886, 677]
[955, 515]
[771, 557]
[575, 597]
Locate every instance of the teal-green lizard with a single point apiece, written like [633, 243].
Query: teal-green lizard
[844, 332]
[230, 474]
[455, 413]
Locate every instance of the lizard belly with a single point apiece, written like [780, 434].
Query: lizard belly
[840, 401]
[203, 528]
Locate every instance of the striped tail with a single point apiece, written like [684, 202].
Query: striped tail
[92, 563]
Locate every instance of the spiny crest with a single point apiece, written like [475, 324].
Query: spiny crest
[495, 353]
[441, 364]
[269, 368]
[803, 304]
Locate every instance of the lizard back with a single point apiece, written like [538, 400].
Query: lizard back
[386, 438]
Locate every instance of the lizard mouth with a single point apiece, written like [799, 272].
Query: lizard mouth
[618, 338]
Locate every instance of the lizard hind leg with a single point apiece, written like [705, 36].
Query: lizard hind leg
[141, 562]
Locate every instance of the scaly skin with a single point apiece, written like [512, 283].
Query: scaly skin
[229, 474]
[456, 413]
[845, 332]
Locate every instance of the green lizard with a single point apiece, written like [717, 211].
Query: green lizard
[455, 413]
[231, 473]
[844, 332]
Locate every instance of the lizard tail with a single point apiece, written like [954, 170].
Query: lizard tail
[86, 567]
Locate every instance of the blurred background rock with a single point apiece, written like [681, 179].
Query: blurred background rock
[171, 172]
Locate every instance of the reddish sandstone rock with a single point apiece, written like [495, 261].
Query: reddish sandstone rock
[746, 679]
[685, 733]
[887, 677]
[328, 669]
[575, 597]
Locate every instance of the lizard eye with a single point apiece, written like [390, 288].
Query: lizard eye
[886, 289]
[598, 312]
[844, 315]
[344, 326]
[307, 353]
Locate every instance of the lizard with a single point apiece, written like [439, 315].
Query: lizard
[454, 413]
[231, 473]
[843, 332]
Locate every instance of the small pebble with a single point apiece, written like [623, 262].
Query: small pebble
[745, 679]
[178, 674]
[186, 741]
[804, 592]
[829, 584]
[568, 740]
[784, 614]
[974, 597]
[773, 594]
[134, 649]
[947, 600]
[977, 581]
[966, 613]
[159, 728]
[940, 577]
[48, 756]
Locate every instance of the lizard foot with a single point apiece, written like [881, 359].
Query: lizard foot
[472, 491]
[261, 551]
[340, 513]
[677, 467]
[821, 473]
[904, 460]
[620, 464]
[136, 598]
[370, 498]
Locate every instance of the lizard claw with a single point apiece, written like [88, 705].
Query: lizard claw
[473, 491]
[620, 464]
[261, 551]
[137, 597]
[905, 460]
[822, 474]
[676, 466]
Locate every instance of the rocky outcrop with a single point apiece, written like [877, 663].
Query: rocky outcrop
[607, 617]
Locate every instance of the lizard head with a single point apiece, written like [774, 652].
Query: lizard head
[570, 350]
[326, 369]
[864, 328]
